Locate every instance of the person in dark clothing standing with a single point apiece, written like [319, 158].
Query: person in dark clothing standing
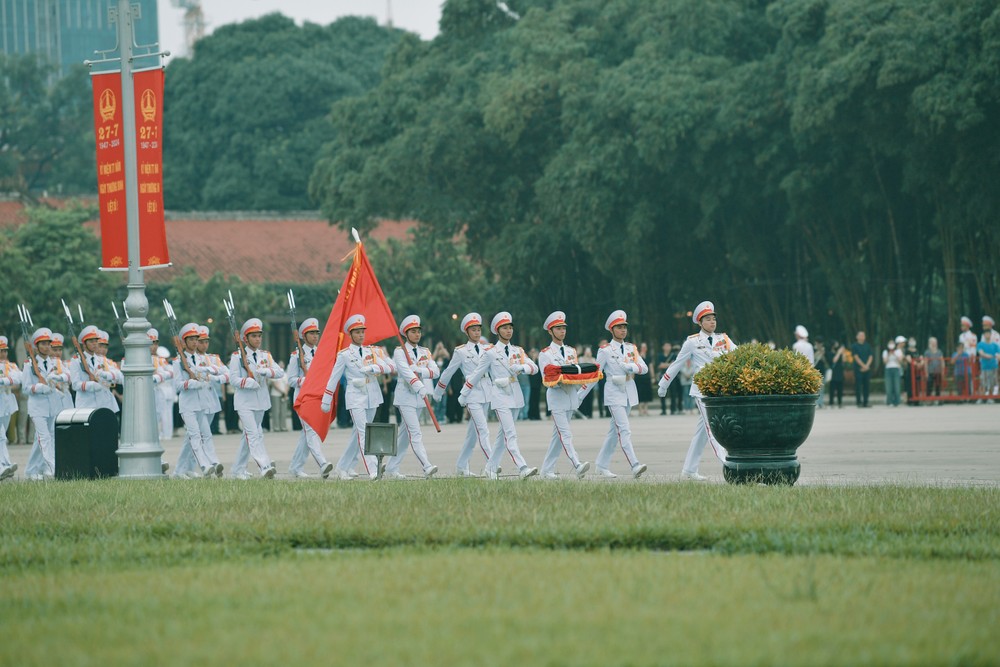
[863, 358]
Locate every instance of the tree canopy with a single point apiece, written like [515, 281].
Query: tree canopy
[795, 161]
[246, 116]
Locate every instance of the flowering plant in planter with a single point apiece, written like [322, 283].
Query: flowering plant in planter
[756, 370]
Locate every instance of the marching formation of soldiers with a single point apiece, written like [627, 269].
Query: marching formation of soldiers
[490, 370]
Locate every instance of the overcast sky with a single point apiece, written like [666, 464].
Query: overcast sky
[419, 16]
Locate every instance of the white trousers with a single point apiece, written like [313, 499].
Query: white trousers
[309, 443]
[4, 454]
[192, 457]
[506, 441]
[562, 440]
[252, 442]
[619, 435]
[409, 436]
[164, 413]
[702, 434]
[207, 441]
[42, 459]
[356, 445]
[478, 433]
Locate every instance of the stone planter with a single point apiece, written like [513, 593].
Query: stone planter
[761, 434]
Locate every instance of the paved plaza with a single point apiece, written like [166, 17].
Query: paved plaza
[946, 444]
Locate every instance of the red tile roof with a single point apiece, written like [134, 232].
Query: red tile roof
[295, 248]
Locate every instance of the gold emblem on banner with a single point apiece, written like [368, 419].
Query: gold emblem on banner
[117, 261]
[107, 104]
[153, 260]
[147, 105]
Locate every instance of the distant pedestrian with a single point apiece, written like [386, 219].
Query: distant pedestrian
[892, 362]
[837, 374]
[863, 359]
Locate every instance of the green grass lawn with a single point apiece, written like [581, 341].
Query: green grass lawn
[464, 572]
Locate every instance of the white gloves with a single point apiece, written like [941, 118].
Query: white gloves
[618, 380]
[194, 384]
[422, 391]
[358, 382]
[41, 389]
[438, 394]
[371, 369]
[250, 383]
[264, 372]
[5, 382]
[107, 376]
[91, 387]
[661, 390]
[502, 382]
[157, 379]
[632, 368]
[463, 398]
[327, 403]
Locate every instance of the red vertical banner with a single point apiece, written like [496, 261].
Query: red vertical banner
[149, 158]
[109, 132]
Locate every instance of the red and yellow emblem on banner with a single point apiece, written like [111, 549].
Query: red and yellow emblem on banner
[109, 133]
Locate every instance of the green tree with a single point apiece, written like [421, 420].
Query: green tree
[46, 129]
[51, 257]
[245, 117]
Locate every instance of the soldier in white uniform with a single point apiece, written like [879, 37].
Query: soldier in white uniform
[967, 339]
[61, 377]
[359, 365]
[10, 379]
[218, 375]
[503, 362]
[802, 344]
[43, 406]
[252, 398]
[416, 374]
[466, 358]
[990, 335]
[562, 399]
[93, 375]
[700, 348]
[191, 379]
[163, 390]
[309, 442]
[620, 363]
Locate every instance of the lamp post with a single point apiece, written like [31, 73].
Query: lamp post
[139, 451]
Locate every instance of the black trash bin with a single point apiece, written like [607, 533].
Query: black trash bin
[86, 442]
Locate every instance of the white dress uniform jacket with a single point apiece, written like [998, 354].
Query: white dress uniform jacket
[294, 373]
[700, 348]
[90, 394]
[10, 377]
[561, 396]
[620, 363]
[359, 366]
[191, 393]
[502, 363]
[249, 397]
[422, 373]
[42, 402]
[467, 357]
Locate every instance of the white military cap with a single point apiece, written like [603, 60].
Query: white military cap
[102, 336]
[153, 334]
[162, 352]
[3, 343]
[556, 319]
[900, 339]
[704, 308]
[89, 332]
[188, 330]
[42, 335]
[500, 319]
[203, 333]
[409, 322]
[987, 320]
[471, 320]
[801, 331]
[354, 322]
[966, 320]
[253, 325]
[57, 339]
[616, 318]
[308, 324]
